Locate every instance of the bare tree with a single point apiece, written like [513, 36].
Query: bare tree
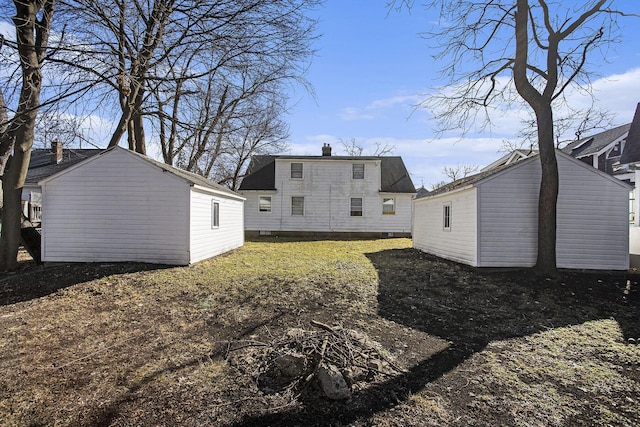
[378, 150]
[153, 55]
[459, 171]
[509, 51]
[32, 21]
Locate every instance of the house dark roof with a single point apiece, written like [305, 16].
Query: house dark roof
[631, 153]
[41, 165]
[262, 169]
[594, 143]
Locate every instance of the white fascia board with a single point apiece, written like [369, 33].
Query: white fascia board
[220, 193]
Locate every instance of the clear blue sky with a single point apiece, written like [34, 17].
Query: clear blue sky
[372, 67]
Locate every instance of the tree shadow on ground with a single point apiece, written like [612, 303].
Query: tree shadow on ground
[38, 281]
[469, 308]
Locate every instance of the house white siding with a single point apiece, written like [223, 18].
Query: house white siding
[119, 209]
[459, 241]
[208, 240]
[327, 187]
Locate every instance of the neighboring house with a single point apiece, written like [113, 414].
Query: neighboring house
[123, 206]
[629, 171]
[44, 163]
[327, 195]
[602, 150]
[491, 219]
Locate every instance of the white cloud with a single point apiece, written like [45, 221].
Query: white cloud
[352, 113]
[405, 100]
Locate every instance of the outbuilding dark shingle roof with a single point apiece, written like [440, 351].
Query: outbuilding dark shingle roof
[262, 169]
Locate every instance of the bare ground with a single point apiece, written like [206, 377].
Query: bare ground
[137, 344]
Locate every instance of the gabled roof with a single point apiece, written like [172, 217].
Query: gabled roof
[593, 144]
[41, 166]
[189, 177]
[513, 156]
[262, 169]
[475, 179]
[631, 152]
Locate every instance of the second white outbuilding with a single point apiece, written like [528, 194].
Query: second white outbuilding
[121, 206]
[491, 219]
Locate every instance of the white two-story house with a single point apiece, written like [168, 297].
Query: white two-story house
[327, 195]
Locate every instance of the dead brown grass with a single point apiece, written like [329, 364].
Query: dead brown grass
[128, 345]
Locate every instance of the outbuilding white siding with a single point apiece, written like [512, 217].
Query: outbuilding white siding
[207, 240]
[459, 241]
[592, 219]
[117, 206]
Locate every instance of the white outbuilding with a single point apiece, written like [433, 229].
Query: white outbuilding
[491, 219]
[123, 206]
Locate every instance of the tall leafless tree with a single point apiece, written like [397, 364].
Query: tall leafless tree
[507, 51]
[32, 21]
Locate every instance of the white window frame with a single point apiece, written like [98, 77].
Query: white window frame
[215, 215]
[392, 212]
[296, 212]
[351, 207]
[294, 173]
[267, 209]
[446, 216]
[356, 173]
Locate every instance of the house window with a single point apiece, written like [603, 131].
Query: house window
[264, 204]
[446, 216]
[388, 206]
[215, 214]
[296, 170]
[356, 206]
[297, 206]
[357, 170]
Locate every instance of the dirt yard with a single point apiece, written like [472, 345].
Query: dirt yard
[137, 344]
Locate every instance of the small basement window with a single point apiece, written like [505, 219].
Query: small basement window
[264, 204]
[296, 170]
[446, 216]
[297, 205]
[388, 206]
[215, 214]
[356, 206]
[357, 171]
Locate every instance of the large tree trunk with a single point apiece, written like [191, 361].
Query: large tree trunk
[32, 36]
[549, 187]
[541, 105]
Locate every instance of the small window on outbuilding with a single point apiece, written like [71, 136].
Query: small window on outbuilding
[215, 214]
[264, 204]
[296, 170]
[388, 206]
[297, 205]
[356, 206]
[446, 216]
[357, 171]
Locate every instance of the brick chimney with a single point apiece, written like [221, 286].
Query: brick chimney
[326, 150]
[56, 152]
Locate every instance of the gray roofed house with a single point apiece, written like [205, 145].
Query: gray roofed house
[356, 195]
[631, 151]
[602, 150]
